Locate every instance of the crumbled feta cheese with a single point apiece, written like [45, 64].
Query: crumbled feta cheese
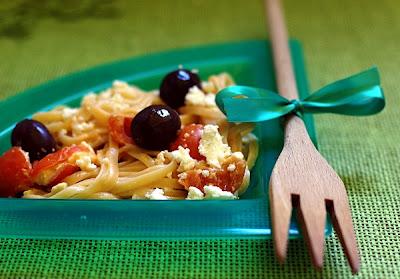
[160, 159]
[120, 106]
[82, 127]
[62, 132]
[196, 97]
[119, 83]
[216, 193]
[156, 194]
[83, 161]
[117, 98]
[105, 95]
[91, 95]
[182, 157]
[68, 112]
[182, 175]
[205, 173]
[238, 155]
[186, 135]
[212, 147]
[194, 194]
[231, 167]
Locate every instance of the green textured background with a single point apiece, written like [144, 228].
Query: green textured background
[41, 42]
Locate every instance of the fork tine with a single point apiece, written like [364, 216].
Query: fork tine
[312, 213]
[281, 210]
[341, 219]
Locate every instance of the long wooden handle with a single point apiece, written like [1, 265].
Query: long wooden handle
[285, 77]
[294, 127]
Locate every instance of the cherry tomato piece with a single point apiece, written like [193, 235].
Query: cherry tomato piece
[55, 167]
[120, 129]
[15, 171]
[227, 178]
[62, 171]
[189, 137]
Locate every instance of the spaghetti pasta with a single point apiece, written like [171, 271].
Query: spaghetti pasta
[110, 168]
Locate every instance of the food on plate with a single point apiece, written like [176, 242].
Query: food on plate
[125, 143]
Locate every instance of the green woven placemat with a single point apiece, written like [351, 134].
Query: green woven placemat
[42, 41]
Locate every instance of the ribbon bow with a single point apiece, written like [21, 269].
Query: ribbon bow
[360, 94]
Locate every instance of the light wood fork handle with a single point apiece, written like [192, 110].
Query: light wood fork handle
[285, 77]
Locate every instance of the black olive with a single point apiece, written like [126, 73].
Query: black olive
[155, 127]
[176, 85]
[34, 138]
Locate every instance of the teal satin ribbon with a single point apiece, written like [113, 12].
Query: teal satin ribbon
[360, 94]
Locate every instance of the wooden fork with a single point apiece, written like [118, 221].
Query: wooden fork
[301, 176]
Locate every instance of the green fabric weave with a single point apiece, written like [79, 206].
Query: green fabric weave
[42, 41]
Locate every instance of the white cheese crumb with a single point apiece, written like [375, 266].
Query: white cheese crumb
[212, 147]
[82, 127]
[83, 160]
[160, 159]
[68, 112]
[105, 95]
[119, 83]
[238, 155]
[195, 194]
[196, 97]
[117, 98]
[186, 135]
[231, 167]
[182, 175]
[205, 173]
[85, 163]
[156, 194]
[182, 157]
[215, 193]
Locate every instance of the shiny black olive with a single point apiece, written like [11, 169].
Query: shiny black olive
[176, 85]
[34, 138]
[155, 127]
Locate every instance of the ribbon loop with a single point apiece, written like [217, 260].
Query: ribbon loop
[360, 94]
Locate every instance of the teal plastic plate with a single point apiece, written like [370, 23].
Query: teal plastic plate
[248, 62]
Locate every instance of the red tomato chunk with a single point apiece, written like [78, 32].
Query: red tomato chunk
[15, 171]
